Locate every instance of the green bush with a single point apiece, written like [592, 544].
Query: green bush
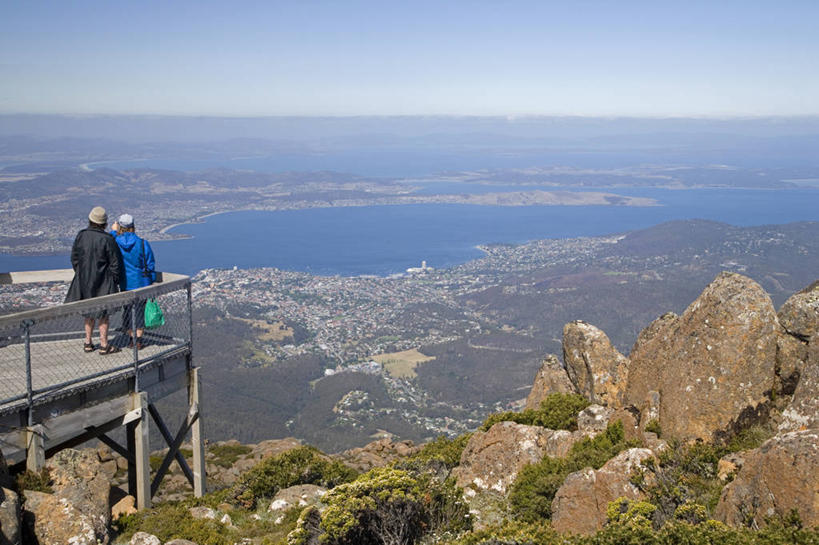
[302, 465]
[749, 438]
[36, 481]
[386, 505]
[653, 426]
[227, 455]
[174, 521]
[534, 489]
[514, 532]
[444, 450]
[674, 533]
[685, 475]
[155, 461]
[556, 412]
[630, 513]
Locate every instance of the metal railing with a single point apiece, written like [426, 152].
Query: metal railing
[42, 354]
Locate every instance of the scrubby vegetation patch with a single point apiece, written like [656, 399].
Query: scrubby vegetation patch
[556, 412]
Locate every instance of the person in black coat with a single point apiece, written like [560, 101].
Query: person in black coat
[97, 267]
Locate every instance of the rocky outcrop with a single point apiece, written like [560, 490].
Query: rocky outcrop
[10, 516]
[550, 379]
[712, 363]
[377, 454]
[579, 506]
[125, 506]
[791, 358]
[492, 459]
[80, 478]
[803, 411]
[594, 419]
[53, 520]
[297, 496]
[800, 313]
[597, 370]
[144, 538]
[781, 475]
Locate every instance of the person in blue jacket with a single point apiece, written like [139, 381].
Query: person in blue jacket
[138, 271]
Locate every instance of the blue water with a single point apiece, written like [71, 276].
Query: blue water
[387, 239]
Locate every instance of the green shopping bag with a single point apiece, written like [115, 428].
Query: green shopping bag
[153, 314]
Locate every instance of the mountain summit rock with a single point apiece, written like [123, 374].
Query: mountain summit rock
[713, 363]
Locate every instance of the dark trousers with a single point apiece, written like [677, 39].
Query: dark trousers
[140, 315]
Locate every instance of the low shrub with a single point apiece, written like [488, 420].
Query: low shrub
[38, 481]
[534, 489]
[749, 438]
[386, 506]
[227, 455]
[382, 506]
[685, 475]
[630, 513]
[675, 533]
[653, 426]
[509, 532]
[173, 521]
[556, 412]
[444, 450]
[301, 465]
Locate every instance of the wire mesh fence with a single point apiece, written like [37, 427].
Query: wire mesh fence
[44, 353]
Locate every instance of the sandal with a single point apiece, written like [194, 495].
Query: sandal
[88, 347]
[110, 349]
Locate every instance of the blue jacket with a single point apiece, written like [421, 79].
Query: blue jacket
[134, 263]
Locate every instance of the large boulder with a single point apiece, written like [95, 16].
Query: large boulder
[10, 516]
[712, 364]
[273, 447]
[53, 520]
[800, 313]
[492, 459]
[779, 476]
[579, 506]
[550, 379]
[378, 453]
[803, 411]
[83, 481]
[597, 370]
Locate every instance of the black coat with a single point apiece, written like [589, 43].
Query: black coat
[97, 265]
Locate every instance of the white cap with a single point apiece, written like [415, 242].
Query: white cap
[126, 220]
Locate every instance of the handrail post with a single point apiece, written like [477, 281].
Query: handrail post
[134, 343]
[190, 323]
[29, 389]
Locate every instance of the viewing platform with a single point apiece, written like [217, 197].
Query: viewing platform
[54, 395]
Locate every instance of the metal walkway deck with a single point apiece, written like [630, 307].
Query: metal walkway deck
[53, 395]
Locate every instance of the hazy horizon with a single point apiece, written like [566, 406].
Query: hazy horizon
[363, 58]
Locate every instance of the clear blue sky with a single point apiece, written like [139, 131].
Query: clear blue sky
[572, 57]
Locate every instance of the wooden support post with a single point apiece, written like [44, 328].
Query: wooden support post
[35, 448]
[130, 437]
[197, 441]
[142, 451]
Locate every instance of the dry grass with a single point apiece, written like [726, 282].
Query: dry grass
[402, 364]
[277, 331]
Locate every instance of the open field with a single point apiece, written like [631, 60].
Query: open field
[402, 364]
[277, 331]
